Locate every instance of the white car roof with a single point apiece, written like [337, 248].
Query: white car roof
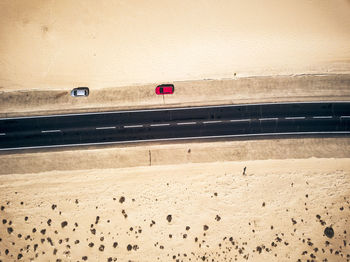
[80, 92]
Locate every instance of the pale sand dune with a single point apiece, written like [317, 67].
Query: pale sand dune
[62, 44]
[275, 212]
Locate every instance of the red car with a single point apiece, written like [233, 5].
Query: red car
[165, 89]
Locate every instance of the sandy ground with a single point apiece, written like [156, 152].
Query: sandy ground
[179, 202]
[277, 211]
[122, 49]
[151, 154]
[60, 44]
[187, 93]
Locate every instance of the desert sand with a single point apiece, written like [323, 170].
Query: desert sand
[210, 201]
[187, 93]
[277, 210]
[153, 154]
[122, 49]
[62, 44]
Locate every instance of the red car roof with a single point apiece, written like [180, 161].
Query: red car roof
[165, 89]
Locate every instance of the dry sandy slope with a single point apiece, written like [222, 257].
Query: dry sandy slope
[148, 154]
[187, 93]
[276, 212]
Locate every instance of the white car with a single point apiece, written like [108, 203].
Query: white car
[80, 91]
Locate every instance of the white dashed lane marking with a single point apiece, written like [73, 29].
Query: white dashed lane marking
[160, 125]
[268, 119]
[211, 122]
[186, 123]
[51, 131]
[106, 127]
[240, 120]
[317, 117]
[295, 117]
[134, 126]
[2, 134]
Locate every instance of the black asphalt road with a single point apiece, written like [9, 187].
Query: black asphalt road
[176, 123]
